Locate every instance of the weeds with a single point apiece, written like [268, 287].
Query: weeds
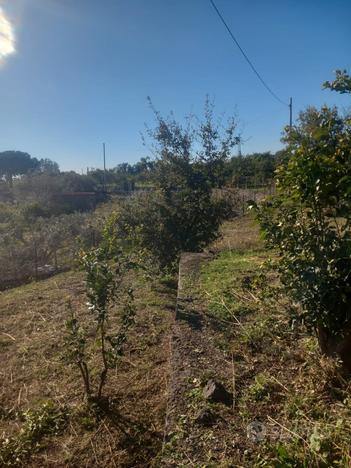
[261, 388]
[45, 421]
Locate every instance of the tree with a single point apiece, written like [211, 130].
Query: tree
[104, 278]
[252, 170]
[342, 82]
[16, 163]
[47, 166]
[310, 223]
[181, 214]
[215, 143]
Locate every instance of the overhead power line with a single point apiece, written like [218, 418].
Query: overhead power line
[246, 57]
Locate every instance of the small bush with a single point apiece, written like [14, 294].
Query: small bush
[164, 225]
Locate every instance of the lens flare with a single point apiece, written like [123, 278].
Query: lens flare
[7, 37]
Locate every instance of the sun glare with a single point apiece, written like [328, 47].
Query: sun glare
[7, 37]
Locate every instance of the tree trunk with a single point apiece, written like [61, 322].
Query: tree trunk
[9, 180]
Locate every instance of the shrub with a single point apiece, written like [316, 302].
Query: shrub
[182, 214]
[166, 225]
[309, 222]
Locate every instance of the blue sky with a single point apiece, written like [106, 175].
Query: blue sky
[75, 73]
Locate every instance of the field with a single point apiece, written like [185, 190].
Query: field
[290, 405]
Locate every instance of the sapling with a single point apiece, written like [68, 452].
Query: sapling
[104, 287]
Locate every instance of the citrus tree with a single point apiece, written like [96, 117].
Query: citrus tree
[105, 268]
[309, 223]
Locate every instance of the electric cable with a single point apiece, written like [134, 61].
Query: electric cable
[246, 57]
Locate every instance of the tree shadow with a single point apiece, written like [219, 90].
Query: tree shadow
[137, 438]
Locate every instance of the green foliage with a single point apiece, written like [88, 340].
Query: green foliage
[181, 214]
[43, 421]
[215, 143]
[104, 278]
[341, 84]
[325, 446]
[261, 388]
[309, 220]
[47, 166]
[124, 177]
[76, 348]
[164, 225]
[14, 163]
[252, 170]
[100, 281]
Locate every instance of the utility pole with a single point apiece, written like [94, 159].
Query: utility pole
[104, 151]
[290, 113]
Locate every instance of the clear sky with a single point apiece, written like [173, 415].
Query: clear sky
[75, 73]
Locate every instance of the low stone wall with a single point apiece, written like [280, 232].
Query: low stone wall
[194, 355]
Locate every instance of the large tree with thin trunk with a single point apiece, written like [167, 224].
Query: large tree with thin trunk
[16, 163]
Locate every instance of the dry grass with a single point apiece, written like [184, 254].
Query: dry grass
[275, 373]
[240, 234]
[32, 372]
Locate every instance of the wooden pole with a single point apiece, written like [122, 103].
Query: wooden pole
[104, 151]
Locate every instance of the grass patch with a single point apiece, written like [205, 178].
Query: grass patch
[281, 380]
[221, 283]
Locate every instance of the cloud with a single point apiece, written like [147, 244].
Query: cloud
[7, 37]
